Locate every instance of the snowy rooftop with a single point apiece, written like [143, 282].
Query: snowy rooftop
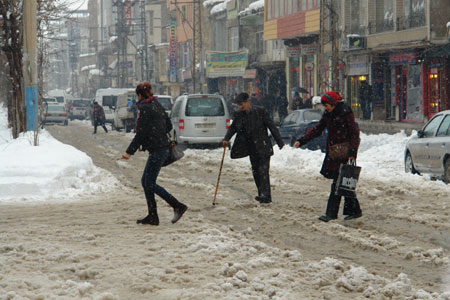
[253, 8]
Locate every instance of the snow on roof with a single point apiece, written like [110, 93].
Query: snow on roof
[219, 7]
[87, 68]
[87, 54]
[112, 39]
[253, 8]
[209, 3]
[95, 72]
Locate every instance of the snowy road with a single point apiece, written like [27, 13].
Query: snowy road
[92, 249]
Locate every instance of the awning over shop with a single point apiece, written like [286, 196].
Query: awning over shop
[437, 51]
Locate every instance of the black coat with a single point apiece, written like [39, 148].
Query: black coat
[152, 127]
[259, 121]
[341, 127]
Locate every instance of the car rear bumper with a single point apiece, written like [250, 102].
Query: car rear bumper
[199, 140]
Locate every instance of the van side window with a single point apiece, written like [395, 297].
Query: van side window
[176, 109]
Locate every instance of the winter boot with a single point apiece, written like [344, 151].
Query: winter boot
[178, 212]
[150, 219]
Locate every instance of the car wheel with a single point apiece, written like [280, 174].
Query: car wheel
[447, 171]
[409, 165]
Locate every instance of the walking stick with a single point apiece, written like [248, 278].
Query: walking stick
[218, 178]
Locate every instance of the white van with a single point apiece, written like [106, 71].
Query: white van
[107, 98]
[123, 116]
[200, 119]
[61, 97]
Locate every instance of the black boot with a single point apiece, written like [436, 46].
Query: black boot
[151, 219]
[178, 212]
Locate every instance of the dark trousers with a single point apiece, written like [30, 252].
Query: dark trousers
[99, 123]
[260, 170]
[151, 171]
[351, 204]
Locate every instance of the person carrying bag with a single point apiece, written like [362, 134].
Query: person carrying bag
[342, 146]
[152, 128]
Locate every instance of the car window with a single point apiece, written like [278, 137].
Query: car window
[204, 107]
[444, 129]
[176, 109]
[165, 102]
[312, 115]
[288, 119]
[60, 99]
[55, 108]
[431, 127]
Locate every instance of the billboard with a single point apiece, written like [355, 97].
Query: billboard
[223, 64]
[173, 51]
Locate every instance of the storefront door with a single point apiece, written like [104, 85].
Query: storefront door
[434, 92]
[402, 90]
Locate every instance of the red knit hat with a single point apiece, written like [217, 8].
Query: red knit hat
[331, 98]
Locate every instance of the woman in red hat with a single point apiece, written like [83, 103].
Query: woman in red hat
[343, 134]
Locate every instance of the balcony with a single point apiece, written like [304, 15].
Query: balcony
[380, 27]
[411, 21]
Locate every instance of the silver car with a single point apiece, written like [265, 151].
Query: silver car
[200, 119]
[55, 113]
[429, 151]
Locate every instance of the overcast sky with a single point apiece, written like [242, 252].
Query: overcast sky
[76, 4]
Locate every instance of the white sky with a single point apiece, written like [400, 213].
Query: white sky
[76, 4]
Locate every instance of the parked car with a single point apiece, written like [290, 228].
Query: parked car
[429, 151]
[295, 124]
[200, 119]
[166, 101]
[55, 113]
[123, 115]
[79, 109]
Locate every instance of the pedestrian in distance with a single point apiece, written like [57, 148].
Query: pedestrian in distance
[250, 126]
[365, 97]
[99, 117]
[297, 102]
[152, 128]
[134, 109]
[343, 133]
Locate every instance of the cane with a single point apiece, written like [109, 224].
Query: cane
[218, 178]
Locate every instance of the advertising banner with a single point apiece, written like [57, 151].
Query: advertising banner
[223, 64]
[173, 52]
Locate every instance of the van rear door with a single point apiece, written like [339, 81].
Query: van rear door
[205, 116]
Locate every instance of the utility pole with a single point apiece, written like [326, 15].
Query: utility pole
[144, 42]
[198, 46]
[29, 63]
[122, 33]
[334, 47]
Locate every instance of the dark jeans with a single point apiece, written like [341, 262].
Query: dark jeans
[99, 123]
[351, 204]
[151, 171]
[260, 170]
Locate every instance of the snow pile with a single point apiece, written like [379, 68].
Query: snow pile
[50, 171]
[253, 8]
[219, 7]
[210, 3]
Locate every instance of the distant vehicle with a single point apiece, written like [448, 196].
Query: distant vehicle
[107, 98]
[79, 109]
[55, 113]
[429, 151]
[166, 101]
[123, 116]
[295, 124]
[200, 119]
[61, 97]
[49, 100]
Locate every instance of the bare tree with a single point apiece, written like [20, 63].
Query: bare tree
[11, 46]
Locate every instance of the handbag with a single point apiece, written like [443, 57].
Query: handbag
[347, 179]
[175, 153]
[339, 151]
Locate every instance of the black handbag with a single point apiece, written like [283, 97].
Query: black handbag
[175, 153]
[347, 179]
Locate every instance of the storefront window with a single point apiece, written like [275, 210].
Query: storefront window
[414, 13]
[434, 91]
[414, 111]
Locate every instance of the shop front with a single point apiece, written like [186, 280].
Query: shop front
[406, 79]
[357, 73]
[436, 86]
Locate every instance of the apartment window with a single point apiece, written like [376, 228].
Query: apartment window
[303, 4]
[384, 16]
[355, 13]
[414, 13]
[234, 38]
[294, 5]
[150, 18]
[277, 9]
[183, 13]
[282, 8]
[260, 40]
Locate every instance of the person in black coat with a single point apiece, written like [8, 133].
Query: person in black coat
[99, 117]
[152, 127]
[250, 126]
[339, 120]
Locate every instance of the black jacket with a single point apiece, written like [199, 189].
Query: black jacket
[152, 127]
[341, 127]
[251, 133]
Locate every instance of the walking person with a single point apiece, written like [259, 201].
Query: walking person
[153, 124]
[99, 117]
[365, 96]
[339, 120]
[250, 126]
[297, 102]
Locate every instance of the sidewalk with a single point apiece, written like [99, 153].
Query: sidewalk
[390, 127]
